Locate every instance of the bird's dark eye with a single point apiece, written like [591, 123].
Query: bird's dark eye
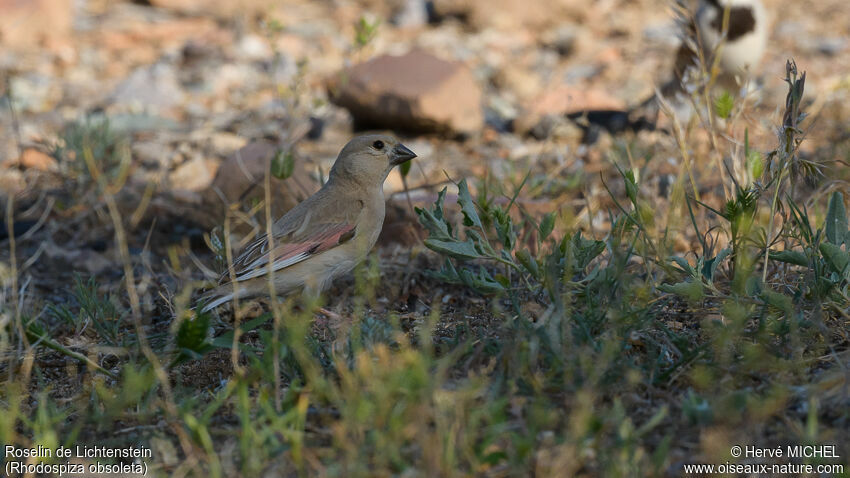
[379, 145]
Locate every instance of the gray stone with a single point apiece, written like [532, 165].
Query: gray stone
[411, 13]
[562, 39]
[153, 88]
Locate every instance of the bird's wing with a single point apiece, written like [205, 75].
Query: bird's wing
[290, 248]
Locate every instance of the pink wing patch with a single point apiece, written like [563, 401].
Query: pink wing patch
[289, 253]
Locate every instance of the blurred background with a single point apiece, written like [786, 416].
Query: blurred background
[193, 81]
[187, 103]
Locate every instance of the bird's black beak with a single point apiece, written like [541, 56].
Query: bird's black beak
[401, 154]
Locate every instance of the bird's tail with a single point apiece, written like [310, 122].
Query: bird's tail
[220, 295]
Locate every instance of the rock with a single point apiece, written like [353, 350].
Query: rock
[524, 83]
[253, 48]
[28, 24]
[141, 42]
[424, 148]
[416, 91]
[555, 126]
[562, 39]
[411, 14]
[35, 159]
[501, 14]
[195, 174]
[232, 79]
[153, 88]
[562, 100]
[8, 145]
[35, 93]
[151, 154]
[581, 72]
[240, 180]
[291, 45]
[225, 143]
[133, 124]
[219, 8]
[500, 114]
[11, 182]
[832, 46]
[81, 259]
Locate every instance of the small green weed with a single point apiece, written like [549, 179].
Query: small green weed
[108, 148]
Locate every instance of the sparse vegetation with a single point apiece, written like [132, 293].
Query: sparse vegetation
[615, 334]
[95, 137]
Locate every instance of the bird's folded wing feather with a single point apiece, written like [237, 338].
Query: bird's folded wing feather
[290, 248]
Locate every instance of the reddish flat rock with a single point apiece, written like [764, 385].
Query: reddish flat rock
[416, 91]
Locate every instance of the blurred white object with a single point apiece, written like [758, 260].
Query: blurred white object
[746, 34]
[739, 43]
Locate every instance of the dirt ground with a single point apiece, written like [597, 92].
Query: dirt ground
[188, 82]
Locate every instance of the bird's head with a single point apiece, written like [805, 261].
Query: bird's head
[743, 17]
[368, 159]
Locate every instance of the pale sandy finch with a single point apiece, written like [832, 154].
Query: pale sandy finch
[324, 236]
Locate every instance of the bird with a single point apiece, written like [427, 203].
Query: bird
[745, 39]
[739, 43]
[738, 53]
[324, 236]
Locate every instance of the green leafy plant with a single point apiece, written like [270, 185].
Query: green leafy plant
[192, 339]
[822, 251]
[404, 169]
[724, 104]
[108, 148]
[283, 164]
[93, 310]
[365, 31]
[494, 238]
